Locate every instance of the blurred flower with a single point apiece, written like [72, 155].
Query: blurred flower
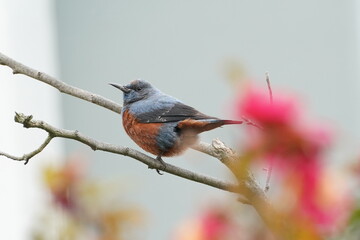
[82, 209]
[256, 105]
[62, 182]
[284, 134]
[318, 200]
[114, 223]
[296, 148]
[354, 168]
[215, 223]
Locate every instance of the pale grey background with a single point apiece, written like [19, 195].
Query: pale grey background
[181, 47]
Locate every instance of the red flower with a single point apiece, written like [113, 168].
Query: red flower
[256, 105]
[296, 148]
[216, 225]
[284, 135]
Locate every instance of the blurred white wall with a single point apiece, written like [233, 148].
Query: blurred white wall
[28, 36]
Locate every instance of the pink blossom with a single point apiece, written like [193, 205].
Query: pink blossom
[216, 223]
[323, 199]
[256, 105]
[284, 134]
[296, 147]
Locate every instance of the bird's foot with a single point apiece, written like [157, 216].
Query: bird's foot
[162, 163]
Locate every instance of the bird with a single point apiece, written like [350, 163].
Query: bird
[161, 124]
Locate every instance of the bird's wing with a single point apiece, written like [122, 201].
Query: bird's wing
[174, 113]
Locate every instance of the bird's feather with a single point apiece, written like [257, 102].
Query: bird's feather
[174, 113]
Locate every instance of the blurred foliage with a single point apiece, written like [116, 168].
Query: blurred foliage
[79, 208]
[355, 217]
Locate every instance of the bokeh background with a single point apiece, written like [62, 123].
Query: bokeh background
[185, 48]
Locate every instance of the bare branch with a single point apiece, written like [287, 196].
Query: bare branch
[252, 193]
[28, 156]
[218, 150]
[19, 68]
[29, 122]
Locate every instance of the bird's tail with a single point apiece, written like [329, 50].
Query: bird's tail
[226, 122]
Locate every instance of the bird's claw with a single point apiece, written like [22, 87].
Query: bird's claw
[158, 171]
[162, 163]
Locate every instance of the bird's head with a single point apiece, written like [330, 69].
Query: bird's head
[136, 90]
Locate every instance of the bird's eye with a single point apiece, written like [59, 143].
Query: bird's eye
[138, 88]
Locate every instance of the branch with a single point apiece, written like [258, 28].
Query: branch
[217, 149]
[19, 68]
[29, 122]
[28, 156]
[252, 193]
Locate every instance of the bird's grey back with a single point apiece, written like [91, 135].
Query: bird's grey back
[157, 100]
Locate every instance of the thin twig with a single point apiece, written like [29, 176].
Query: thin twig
[251, 123]
[269, 87]
[28, 156]
[269, 171]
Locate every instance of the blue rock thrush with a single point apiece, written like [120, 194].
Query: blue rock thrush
[161, 124]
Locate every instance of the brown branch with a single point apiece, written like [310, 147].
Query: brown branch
[29, 122]
[19, 68]
[28, 156]
[217, 149]
[252, 193]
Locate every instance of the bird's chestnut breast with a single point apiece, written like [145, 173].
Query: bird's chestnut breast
[143, 134]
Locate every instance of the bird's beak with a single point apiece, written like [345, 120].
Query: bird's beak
[122, 88]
